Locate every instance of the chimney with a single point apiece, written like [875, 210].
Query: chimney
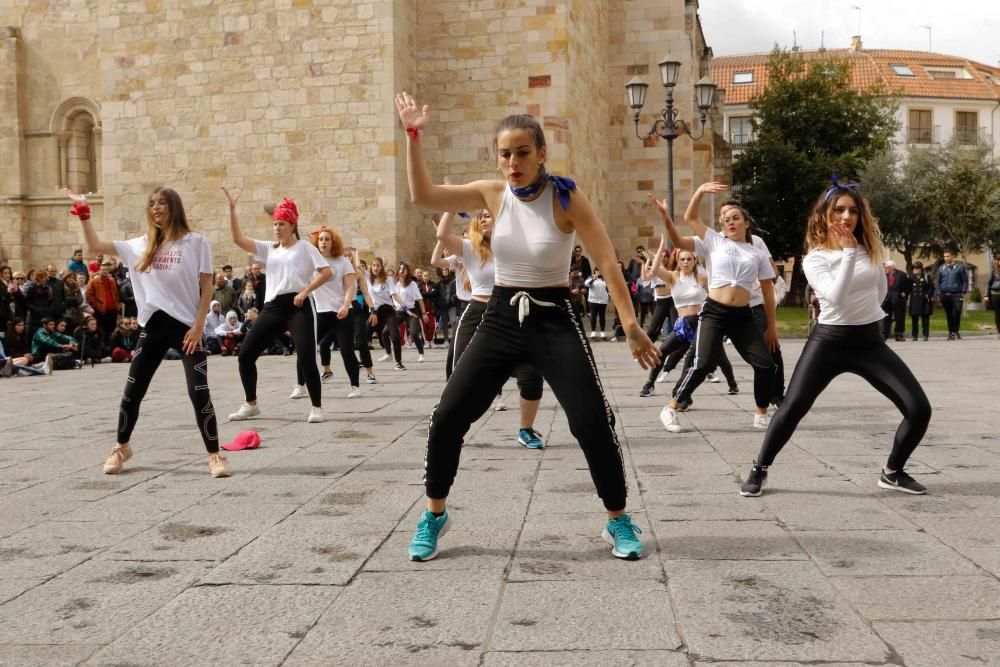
[856, 43]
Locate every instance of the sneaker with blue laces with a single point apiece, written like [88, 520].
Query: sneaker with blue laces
[620, 534]
[530, 438]
[424, 545]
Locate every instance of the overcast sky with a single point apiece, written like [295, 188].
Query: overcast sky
[967, 28]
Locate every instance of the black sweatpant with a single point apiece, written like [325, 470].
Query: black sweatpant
[529, 380]
[362, 335]
[388, 327]
[552, 339]
[952, 304]
[277, 316]
[925, 323]
[329, 328]
[760, 319]
[672, 351]
[598, 311]
[724, 366]
[663, 312]
[449, 362]
[416, 328]
[715, 321]
[832, 350]
[645, 309]
[163, 332]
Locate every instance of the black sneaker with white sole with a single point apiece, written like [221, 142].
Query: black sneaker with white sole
[754, 482]
[900, 481]
[647, 390]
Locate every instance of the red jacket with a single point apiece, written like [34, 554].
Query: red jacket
[102, 294]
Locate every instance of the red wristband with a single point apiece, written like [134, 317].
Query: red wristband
[413, 133]
[82, 211]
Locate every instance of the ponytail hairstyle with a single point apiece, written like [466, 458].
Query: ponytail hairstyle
[174, 229]
[521, 121]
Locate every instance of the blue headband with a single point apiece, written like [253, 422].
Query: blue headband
[837, 186]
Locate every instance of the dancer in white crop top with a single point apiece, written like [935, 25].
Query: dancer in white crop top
[844, 267]
[735, 267]
[529, 317]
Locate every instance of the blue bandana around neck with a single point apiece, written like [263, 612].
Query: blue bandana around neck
[562, 185]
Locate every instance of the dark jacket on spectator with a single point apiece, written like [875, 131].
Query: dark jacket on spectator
[41, 303]
[898, 289]
[16, 346]
[126, 340]
[92, 345]
[921, 294]
[446, 297]
[952, 279]
[429, 290]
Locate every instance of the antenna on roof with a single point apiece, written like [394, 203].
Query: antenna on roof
[795, 40]
[929, 30]
[857, 8]
[822, 38]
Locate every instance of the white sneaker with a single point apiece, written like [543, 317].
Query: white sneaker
[593, 334]
[498, 405]
[246, 411]
[355, 392]
[315, 415]
[420, 357]
[106, 360]
[384, 357]
[603, 337]
[713, 378]
[662, 378]
[298, 391]
[761, 421]
[49, 364]
[669, 419]
[614, 339]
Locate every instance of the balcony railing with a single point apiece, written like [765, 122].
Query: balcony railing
[971, 135]
[922, 134]
[740, 141]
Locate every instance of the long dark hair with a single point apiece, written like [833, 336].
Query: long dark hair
[176, 227]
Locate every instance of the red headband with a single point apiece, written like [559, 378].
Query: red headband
[287, 211]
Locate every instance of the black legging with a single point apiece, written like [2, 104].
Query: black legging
[832, 350]
[163, 332]
[715, 321]
[760, 319]
[330, 328]
[277, 316]
[663, 312]
[672, 351]
[416, 328]
[388, 326]
[597, 314]
[362, 335]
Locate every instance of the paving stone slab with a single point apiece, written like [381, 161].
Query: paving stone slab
[18, 655]
[840, 506]
[704, 507]
[585, 659]
[899, 598]
[883, 552]
[585, 615]
[726, 540]
[933, 644]
[222, 625]
[767, 611]
[404, 618]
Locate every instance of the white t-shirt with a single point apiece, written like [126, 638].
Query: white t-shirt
[458, 270]
[173, 282]
[731, 263]
[330, 295]
[409, 295]
[481, 276]
[381, 293]
[289, 270]
[849, 286]
[756, 296]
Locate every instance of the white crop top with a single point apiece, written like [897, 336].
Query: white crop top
[849, 286]
[481, 276]
[688, 291]
[732, 264]
[757, 297]
[658, 284]
[381, 293]
[528, 249]
[458, 270]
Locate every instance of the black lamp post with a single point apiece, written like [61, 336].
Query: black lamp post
[668, 126]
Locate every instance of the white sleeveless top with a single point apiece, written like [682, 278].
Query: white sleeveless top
[481, 276]
[687, 291]
[528, 249]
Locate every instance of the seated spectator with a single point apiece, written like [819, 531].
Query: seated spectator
[91, 339]
[213, 321]
[230, 334]
[64, 326]
[48, 341]
[124, 340]
[248, 322]
[9, 366]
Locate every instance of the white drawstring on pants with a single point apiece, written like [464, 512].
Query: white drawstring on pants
[522, 301]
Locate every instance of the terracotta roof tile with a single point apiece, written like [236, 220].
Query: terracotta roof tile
[868, 68]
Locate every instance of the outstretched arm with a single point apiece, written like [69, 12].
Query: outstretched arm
[691, 217]
[678, 241]
[239, 238]
[437, 257]
[452, 242]
[82, 210]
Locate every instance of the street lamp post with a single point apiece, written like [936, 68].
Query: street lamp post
[668, 126]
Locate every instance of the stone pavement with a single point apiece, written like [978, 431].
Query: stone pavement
[300, 557]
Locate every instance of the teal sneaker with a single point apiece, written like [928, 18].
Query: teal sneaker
[530, 438]
[424, 545]
[620, 534]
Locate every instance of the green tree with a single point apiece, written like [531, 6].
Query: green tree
[893, 191]
[811, 123]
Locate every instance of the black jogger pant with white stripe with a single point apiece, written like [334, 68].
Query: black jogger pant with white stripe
[552, 339]
[163, 332]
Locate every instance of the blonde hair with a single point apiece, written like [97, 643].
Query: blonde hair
[866, 231]
[175, 228]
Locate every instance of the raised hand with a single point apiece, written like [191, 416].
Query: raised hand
[659, 203]
[232, 200]
[713, 187]
[75, 198]
[843, 235]
[411, 115]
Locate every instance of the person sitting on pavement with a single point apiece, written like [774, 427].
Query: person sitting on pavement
[213, 321]
[48, 341]
[229, 334]
[124, 340]
[91, 339]
[10, 367]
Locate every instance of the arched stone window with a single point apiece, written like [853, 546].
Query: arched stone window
[76, 126]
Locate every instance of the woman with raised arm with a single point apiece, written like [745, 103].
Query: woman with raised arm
[454, 281]
[843, 265]
[734, 268]
[689, 289]
[529, 318]
[295, 269]
[171, 269]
